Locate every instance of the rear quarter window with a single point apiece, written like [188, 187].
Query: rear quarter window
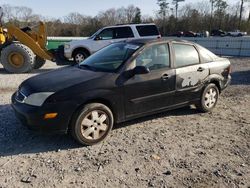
[147, 30]
[206, 55]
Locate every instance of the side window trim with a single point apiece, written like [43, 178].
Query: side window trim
[174, 56]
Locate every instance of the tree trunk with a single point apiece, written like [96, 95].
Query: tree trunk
[241, 10]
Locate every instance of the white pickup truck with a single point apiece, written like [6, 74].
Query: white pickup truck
[236, 33]
[78, 50]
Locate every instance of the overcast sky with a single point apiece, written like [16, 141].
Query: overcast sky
[60, 8]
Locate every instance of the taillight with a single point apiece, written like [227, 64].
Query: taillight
[159, 36]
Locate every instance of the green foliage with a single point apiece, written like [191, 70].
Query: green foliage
[137, 18]
[163, 8]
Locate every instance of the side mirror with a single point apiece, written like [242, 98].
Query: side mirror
[97, 37]
[141, 70]
[135, 71]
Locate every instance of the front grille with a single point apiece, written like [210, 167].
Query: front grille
[20, 97]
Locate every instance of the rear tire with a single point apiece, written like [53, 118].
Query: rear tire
[39, 62]
[209, 98]
[17, 58]
[92, 124]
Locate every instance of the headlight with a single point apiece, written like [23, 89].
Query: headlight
[66, 46]
[37, 99]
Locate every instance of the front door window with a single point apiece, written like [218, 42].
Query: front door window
[155, 57]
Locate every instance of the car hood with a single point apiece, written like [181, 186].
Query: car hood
[59, 79]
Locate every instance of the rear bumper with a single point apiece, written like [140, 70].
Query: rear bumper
[33, 117]
[226, 83]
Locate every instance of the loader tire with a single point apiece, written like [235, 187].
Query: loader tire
[39, 62]
[17, 58]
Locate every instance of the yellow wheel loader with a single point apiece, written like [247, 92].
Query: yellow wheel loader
[23, 50]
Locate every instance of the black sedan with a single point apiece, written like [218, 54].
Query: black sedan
[123, 81]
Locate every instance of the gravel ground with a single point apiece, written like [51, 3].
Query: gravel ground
[181, 148]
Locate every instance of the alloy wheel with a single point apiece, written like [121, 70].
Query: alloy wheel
[79, 58]
[94, 125]
[210, 98]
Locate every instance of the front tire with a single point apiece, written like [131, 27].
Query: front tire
[17, 58]
[92, 124]
[209, 98]
[79, 56]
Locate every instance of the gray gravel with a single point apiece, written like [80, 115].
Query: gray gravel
[181, 148]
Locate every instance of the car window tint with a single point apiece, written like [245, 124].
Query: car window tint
[154, 57]
[123, 32]
[106, 34]
[147, 30]
[185, 55]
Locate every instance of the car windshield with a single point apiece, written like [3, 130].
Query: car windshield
[111, 57]
[92, 36]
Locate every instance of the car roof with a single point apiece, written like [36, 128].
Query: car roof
[128, 25]
[150, 41]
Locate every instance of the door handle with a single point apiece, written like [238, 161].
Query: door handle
[165, 77]
[200, 69]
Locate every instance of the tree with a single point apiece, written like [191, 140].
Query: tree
[137, 18]
[211, 14]
[241, 11]
[220, 11]
[130, 13]
[163, 13]
[176, 4]
[163, 8]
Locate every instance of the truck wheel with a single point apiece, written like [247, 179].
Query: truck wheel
[17, 58]
[39, 62]
[92, 124]
[209, 98]
[79, 56]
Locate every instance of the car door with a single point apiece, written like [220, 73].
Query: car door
[190, 73]
[153, 91]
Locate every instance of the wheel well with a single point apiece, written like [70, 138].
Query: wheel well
[98, 100]
[81, 49]
[217, 83]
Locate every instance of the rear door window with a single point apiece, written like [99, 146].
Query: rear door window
[147, 30]
[123, 32]
[185, 55]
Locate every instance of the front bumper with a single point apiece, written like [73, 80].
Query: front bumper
[67, 53]
[60, 57]
[33, 117]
